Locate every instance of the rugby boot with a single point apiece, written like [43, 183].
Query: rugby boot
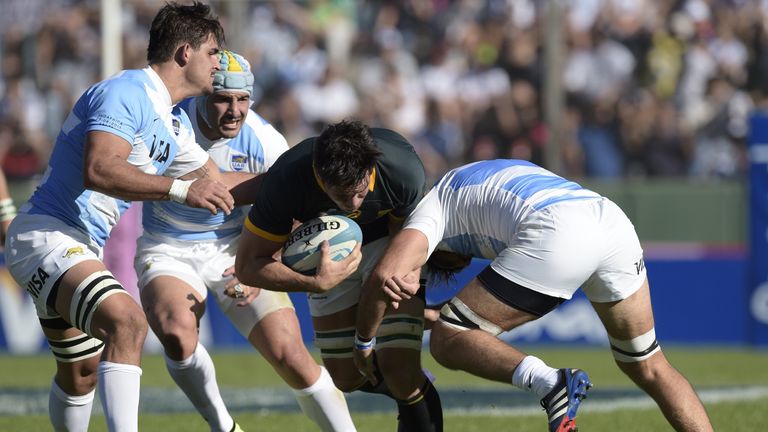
[563, 401]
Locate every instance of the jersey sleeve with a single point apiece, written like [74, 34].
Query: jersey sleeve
[429, 218]
[271, 216]
[113, 107]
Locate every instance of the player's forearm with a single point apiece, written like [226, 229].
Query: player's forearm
[122, 180]
[371, 307]
[242, 186]
[272, 275]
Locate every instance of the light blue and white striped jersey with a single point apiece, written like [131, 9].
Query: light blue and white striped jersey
[253, 150]
[476, 209]
[136, 106]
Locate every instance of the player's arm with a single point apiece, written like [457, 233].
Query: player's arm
[401, 262]
[107, 170]
[256, 265]
[242, 186]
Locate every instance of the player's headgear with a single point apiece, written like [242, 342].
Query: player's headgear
[235, 74]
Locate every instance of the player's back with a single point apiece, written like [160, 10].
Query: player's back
[485, 202]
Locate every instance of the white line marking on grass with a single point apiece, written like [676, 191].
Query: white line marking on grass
[639, 402]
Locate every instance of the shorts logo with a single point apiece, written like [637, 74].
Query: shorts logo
[176, 126]
[36, 282]
[238, 162]
[77, 250]
[639, 266]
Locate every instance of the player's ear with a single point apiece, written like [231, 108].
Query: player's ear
[182, 54]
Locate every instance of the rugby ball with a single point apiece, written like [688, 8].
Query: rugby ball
[302, 250]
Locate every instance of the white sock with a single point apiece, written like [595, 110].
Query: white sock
[119, 386]
[69, 413]
[534, 375]
[196, 377]
[325, 405]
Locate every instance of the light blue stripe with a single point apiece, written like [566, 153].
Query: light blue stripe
[527, 185]
[479, 172]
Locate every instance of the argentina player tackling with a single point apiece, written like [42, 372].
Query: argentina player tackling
[546, 237]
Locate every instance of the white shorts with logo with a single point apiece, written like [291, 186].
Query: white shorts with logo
[39, 249]
[200, 264]
[589, 244]
[347, 293]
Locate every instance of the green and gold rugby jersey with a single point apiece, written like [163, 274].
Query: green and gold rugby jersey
[291, 191]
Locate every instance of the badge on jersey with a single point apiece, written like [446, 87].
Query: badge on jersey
[238, 162]
[176, 126]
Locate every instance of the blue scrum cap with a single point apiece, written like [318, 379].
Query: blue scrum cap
[235, 74]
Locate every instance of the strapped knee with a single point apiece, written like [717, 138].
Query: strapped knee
[74, 349]
[635, 350]
[459, 316]
[88, 296]
[335, 343]
[400, 331]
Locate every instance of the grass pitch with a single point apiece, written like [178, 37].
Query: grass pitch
[733, 384]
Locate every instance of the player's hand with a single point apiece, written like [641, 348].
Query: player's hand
[210, 194]
[236, 290]
[364, 361]
[330, 273]
[401, 288]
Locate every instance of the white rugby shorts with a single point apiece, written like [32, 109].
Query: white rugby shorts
[39, 249]
[200, 264]
[589, 244]
[347, 293]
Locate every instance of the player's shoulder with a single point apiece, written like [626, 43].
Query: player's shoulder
[398, 160]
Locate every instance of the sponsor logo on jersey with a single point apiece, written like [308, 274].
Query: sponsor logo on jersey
[238, 162]
[77, 250]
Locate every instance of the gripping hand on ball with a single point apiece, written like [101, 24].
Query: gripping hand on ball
[330, 273]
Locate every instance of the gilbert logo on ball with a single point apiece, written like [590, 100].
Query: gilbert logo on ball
[302, 250]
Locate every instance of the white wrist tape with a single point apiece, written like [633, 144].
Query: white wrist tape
[179, 190]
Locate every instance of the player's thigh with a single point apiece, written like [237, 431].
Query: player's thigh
[334, 336]
[490, 308]
[399, 343]
[628, 318]
[91, 299]
[172, 305]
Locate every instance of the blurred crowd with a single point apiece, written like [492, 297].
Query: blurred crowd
[653, 88]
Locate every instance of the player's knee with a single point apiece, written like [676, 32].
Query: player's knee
[639, 358]
[127, 328]
[289, 356]
[178, 337]
[404, 380]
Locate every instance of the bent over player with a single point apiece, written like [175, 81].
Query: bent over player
[119, 136]
[547, 237]
[185, 252]
[375, 177]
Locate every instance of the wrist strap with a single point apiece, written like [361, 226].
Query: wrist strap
[179, 190]
[7, 209]
[364, 343]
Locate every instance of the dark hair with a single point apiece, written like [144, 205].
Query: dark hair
[344, 154]
[177, 24]
[439, 271]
